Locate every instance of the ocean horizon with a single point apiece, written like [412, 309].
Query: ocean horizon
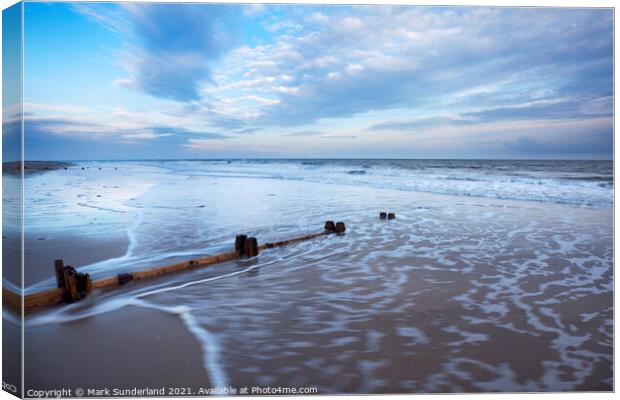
[577, 182]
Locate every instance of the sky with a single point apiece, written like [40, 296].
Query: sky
[160, 81]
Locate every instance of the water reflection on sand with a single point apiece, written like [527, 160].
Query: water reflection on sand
[456, 294]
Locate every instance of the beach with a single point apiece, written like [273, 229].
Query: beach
[481, 290]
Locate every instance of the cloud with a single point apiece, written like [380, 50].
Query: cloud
[305, 133]
[146, 134]
[253, 9]
[178, 42]
[63, 126]
[171, 131]
[91, 128]
[418, 57]
[549, 109]
[204, 144]
[559, 109]
[220, 118]
[339, 137]
[59, 108]
[595, 144]
[11, 137]
[407, 73]
[172, 44]
[537, 138]
[417, 123]
[108, 15]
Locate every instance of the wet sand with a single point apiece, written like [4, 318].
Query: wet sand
[455, 295]
[76, 249]
[131, 348]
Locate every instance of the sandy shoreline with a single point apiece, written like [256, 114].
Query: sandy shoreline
[131, 348]
[430, 302]
[41, 251]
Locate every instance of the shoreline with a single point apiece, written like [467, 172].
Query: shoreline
[42, 250]
[115, 247]
[470, 174]
[32, 167]
[449, 279]
[45, 249]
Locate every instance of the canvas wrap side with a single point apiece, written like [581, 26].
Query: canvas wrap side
[12, 204]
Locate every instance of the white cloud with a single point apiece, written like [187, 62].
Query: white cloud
[253, 9]
[414, 57]
[431, 67]
[60, 108]
[205, 144]
[146, 135]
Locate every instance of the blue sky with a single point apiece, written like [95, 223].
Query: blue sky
[116, 81]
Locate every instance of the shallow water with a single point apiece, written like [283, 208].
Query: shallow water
[459, 293]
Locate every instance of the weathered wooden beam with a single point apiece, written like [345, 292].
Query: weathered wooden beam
[11, 300]
[291, 241]
[106, 282]
[199, 262]
[76, 285]
[39, 300]
[32, 302]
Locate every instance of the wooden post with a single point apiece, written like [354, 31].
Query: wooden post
[340, 228]
[59, 267]
[88, 284]
[76, 284]
[84, 284]
[71, 290]
[391, 216]
[382, 215]
[251, 247]
[240, 243]
[330, 226]
[124, 278]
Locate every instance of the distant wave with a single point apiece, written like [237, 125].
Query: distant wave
[590, 178]
[582, 183]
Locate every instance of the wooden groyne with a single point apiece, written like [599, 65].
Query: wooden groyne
[74, 285]
[384, 215]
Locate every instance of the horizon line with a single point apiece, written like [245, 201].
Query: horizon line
[316, 158]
